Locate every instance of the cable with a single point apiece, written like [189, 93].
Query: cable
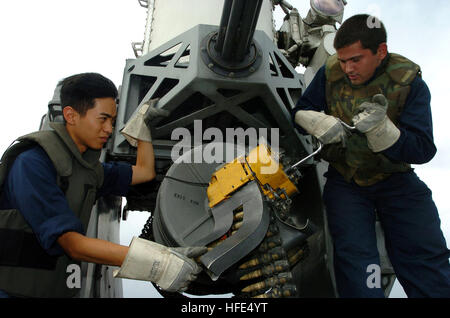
[197, 184]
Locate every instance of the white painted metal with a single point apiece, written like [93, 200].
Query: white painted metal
[169, 18]
[148, 26]
[325, 50]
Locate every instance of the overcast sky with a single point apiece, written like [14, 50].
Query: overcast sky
[47, 40]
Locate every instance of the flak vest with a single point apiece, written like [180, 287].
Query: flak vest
[356, 161]
[25, 268]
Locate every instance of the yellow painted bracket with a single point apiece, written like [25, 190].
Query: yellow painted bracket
[260, 164]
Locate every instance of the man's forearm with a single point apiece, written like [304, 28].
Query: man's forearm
[313, 98]
[86, 249]
[144, 170]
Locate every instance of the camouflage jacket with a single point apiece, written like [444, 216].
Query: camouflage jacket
[392, 79]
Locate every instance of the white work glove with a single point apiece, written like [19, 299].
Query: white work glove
[372, 120]
[326, 128]
[137, 126]
[171, 268]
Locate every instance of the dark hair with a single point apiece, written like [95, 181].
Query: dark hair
[362, 27]
[80, 90]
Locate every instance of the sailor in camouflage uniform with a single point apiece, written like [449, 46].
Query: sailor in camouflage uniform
[383, 95]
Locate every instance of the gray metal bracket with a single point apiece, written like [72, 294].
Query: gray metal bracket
[248, 236]
[176, 73]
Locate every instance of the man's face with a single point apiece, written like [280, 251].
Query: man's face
[359, 64]
[94, 128]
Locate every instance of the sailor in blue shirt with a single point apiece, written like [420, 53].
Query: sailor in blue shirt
[46, 209]
[52, 184]
[403, 203]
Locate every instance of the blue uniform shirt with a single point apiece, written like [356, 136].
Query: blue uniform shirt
[31, 188]
[415, 145]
